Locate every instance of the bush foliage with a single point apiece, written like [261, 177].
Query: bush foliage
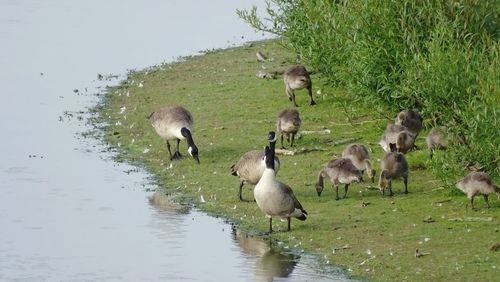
[440, 57]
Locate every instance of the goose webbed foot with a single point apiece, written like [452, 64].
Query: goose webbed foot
[176, 157]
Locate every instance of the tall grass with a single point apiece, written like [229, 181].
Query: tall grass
[440, 57]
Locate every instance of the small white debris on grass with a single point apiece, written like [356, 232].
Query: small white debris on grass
[234, 207]
[145, 151]
[202, 199]
[122, 109]
[140, 85]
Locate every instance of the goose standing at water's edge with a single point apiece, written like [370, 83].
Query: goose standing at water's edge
[250, 168]
[273, 197]
[175, 123]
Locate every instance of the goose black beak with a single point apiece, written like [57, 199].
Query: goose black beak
[197, 159]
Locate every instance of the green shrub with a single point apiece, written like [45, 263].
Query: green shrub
[440, 57]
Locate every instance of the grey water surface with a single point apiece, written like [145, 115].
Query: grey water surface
[67, 211]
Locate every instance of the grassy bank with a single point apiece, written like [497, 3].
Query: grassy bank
[233, 110]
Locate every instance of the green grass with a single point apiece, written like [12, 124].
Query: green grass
[233, 111]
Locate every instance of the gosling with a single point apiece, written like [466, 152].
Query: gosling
[273, 197]
[339, 171]
[250, 168]
[393, 165]
[297, 77]
[175, 123]
[478, 183]
[398, 135]
[435, 141]
[412, 120]
[288, 124]
[359, 156]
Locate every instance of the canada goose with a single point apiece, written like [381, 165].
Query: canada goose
[273, 197]
[478, 183]
[339, 171]
[297, 77]
[360, 158]
[435, 140]
[398, 135]
[250, 168]
[393, 166]
[410, 119]
[175, 123]
[288, 125]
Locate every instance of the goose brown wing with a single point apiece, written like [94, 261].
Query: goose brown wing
[296, 204]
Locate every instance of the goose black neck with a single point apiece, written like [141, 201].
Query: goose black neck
[187, 134]
[270, 155]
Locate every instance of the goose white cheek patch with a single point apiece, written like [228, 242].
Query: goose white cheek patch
[190, 151]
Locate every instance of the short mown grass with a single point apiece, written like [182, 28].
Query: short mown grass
[233, 111]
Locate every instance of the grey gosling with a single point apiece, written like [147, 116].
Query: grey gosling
[436, 141]
[297, 77]
[273, 197]
[339, 171]
[410, 119]
[398, 135]
[360, 157]
[250, 168]
[393, 165]
[478, 183]
[288, 125]
[175, 123]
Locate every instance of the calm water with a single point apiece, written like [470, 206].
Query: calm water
[67, 212]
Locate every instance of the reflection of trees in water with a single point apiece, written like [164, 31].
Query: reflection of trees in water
[270, 264]
[161, 201]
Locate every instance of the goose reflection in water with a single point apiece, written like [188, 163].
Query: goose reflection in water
[270, 264]
[164, 203]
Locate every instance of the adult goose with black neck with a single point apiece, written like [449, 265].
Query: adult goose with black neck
[175, 123]
[273, 197]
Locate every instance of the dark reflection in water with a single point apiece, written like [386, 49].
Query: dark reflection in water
[269, 263]
[162, 202]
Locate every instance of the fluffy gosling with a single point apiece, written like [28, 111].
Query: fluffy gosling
[295, 78]
[478, 183]
[338, 171]
[288, 124]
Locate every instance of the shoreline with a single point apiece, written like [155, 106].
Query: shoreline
[221, 89]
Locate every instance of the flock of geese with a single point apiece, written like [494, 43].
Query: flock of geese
[259, 168]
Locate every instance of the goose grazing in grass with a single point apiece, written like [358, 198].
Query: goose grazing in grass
[297, 77]
[175, 123]
[250, 168]
[393, 165]
[288, 125]
[436, 141]
[273, 197]
[412, 120]
[339, 171]
[478, 183]
[398, 135]
[360, 158]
